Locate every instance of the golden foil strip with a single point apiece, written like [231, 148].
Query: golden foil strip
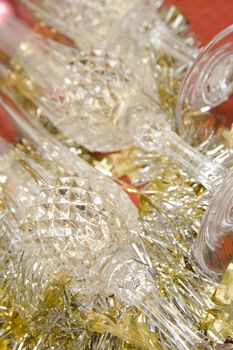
[169, 199]
[219, 320]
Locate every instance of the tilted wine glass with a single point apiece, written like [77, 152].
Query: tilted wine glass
[209, 81]
[214, 245]
[70, 219]
[97, 99]
[207, 84]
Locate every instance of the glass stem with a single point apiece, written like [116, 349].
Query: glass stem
[179, 334]
[206, 171]
[154, 134]
[131, 282]
[163, 38]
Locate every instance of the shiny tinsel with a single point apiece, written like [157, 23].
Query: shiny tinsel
[171, 207]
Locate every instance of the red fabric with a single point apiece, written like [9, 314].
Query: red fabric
[133, 196]
[7, 128]
[207, 17]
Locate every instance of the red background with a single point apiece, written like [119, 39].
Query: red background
[207, 17]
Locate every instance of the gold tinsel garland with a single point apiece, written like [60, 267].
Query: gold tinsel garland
[171, 206]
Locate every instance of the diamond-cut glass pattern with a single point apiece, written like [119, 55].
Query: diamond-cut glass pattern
[66, 211]
[88, 94]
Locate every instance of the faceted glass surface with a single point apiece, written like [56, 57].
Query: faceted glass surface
[89, 95]
[65, 211]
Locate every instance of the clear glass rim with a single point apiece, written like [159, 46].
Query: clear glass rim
[228, 31]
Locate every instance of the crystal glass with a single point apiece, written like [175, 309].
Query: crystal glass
[85, 93]
[214, 246]
[108, 23]
[58, 197]
[68, 219]
[209, 81]
[99, 100]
